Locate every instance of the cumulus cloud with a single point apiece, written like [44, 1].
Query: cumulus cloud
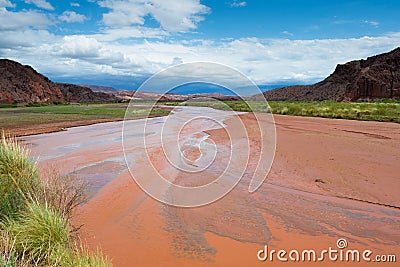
[78, 46]
[74, 4]
[14, 41]
[88, 49]
[13, 21]
[173, 15]
[6, 3]
[40, 4]
[71, 16]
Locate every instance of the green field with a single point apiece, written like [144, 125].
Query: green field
[24, 116]
[384, 110]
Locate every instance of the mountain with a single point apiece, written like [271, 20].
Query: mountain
[79, 94]
[23, 84]
[374, 78]
[125, 95]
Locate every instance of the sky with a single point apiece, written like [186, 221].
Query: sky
[121, 43]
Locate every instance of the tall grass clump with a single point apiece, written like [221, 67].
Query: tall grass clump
[35, 214]
[19, 177]
[40, 234]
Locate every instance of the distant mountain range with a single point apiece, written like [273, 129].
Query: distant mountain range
[126, 95]
[374, 78]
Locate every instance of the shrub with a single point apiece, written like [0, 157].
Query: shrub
[62, 193]
[19, 177]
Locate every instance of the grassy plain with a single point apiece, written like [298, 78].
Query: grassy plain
[383, 110]
[19, 121]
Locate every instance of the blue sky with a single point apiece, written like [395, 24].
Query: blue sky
[122, 42]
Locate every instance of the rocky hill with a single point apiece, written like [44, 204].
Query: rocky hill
[22, 84]
[374, 78]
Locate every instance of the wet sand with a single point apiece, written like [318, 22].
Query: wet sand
[330, 179]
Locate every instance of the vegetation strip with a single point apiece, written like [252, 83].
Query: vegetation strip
[381, 110]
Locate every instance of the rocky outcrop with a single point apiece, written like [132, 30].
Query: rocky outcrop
[374, 78]
[22, 84]
[79, 94]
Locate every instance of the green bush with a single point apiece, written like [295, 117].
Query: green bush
[19, 177]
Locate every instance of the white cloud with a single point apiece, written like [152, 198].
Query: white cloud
[5, 3]
[173, 15]
[238, 4]
[88, 50]
[13, 41]
[123, 13]
[71, 16]
[287, 33]
[13, 21]
[41, 4]
[78, 47]
[176, 16]
[75, 4]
